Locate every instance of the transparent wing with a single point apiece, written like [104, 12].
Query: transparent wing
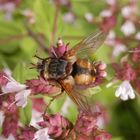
[90, 44]
[79, 99]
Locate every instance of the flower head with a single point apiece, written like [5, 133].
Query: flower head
[125, 91]
[12, 85]
[21, 97]
[26, 133]
[42, 134]
[85, 123]
[56, 126]
[128, 28]
[60, 49]
[43, 86]
[125, 72]
[10, 124]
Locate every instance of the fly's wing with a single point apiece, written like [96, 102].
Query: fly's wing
[90, 44]
[79, 99]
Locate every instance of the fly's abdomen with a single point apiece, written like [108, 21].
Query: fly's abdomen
[57, 68]
[83, 72]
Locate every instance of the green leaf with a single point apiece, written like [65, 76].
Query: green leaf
[26, 113]
[118, 138]
[19, 72]
[28, 46]
[44, 13]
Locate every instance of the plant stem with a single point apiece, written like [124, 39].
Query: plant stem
[37, 38]
[54, 28]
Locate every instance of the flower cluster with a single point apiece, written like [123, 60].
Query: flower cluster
[44, 126]
[58, 127]
[127, 69]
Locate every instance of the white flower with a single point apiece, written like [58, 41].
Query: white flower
[126, 11]
[12, 86]
[111, 2]
[137, 36]
[1, 118]
[42, 134]
[111, 35]
[89, 17]
[125, 91]
[15, 87]
[11, 137]
[69, 17]
[118, 49]
[106, 13]
[21, 97]
[128, 28]
[36, 117]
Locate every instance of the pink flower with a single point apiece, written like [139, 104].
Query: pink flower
[3, 79]
[58, 126]
[136, 84]
[84, 137]
[85, 123]
[10, 124]
[103, 136]
[125, 72]
[43, 86]
[26, 133]
[108, 23]
[38, 104]
[100, 73]
[60, 49]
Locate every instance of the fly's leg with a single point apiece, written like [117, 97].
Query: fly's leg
[53, 98]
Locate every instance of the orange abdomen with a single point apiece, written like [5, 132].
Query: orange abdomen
[83, 72]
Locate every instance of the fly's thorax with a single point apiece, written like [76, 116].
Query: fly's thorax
[57, 68]
[70, 56]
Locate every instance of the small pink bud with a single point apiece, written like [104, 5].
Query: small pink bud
[103, 73]
[59, 42]
[102, 66]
